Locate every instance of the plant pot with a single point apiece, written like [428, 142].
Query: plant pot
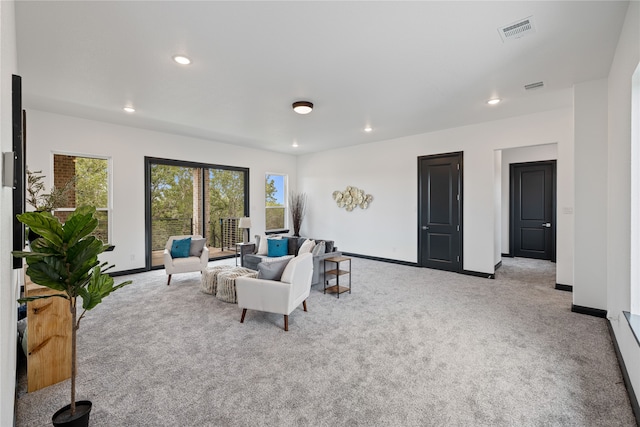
[63, 418]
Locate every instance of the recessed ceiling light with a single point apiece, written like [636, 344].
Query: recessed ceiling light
[129, 109]
[295, 144]
[368, 129]
[181, 59]
[302, 107]
[494, 101]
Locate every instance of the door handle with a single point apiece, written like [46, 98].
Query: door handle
[424, 227]
[547, 224]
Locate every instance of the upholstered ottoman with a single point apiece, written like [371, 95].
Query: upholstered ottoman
[209, 284]
[227, 282]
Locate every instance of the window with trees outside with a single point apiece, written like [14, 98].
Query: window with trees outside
[193, 198]
[88, 181]
[275, 202]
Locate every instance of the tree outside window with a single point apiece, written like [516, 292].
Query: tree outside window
[195, 198]
[276, 202]
[90, 176]
[171, 202]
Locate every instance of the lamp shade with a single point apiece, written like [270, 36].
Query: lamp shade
[245, 222]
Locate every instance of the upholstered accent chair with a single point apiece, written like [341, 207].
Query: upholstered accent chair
[184, 254]
[278, 296]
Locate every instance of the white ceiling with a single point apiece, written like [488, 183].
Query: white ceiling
[401, 67]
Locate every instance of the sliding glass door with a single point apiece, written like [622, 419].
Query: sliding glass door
[194, 198]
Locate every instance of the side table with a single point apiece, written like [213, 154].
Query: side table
[337, 272]
[243, 248]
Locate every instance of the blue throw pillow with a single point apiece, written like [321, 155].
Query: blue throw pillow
[277, 247]
[180, 248]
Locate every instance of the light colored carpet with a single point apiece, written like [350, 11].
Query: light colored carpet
[409, 346]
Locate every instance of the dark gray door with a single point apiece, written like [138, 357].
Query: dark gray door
[439, 211]
[533, 210]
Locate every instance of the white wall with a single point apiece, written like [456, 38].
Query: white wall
[625, 62]
[8, 285]
[635, 193]
[388, 171]
[518, 155]
[590, 267]
[127, 147]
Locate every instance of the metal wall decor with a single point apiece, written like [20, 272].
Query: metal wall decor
[351, 198]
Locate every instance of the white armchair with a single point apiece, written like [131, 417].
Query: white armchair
[278, 297]
[194, 262]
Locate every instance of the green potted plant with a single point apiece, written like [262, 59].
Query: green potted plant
[65, 258]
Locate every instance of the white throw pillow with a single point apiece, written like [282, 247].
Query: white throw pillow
[318, 249]
[263, 248]
[287, 274]
[197, 246]
[306, 247]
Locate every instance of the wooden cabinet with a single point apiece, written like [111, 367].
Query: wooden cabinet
[48, 338]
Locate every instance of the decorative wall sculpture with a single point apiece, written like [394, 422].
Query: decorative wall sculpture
[351, 198]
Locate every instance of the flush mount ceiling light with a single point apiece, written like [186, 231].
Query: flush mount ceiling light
[368, 129]
[129, 109]
[181, 59]
[494, 101]
[295, 144]
[302, 107]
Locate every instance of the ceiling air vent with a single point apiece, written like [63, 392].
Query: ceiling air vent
[535, 85]
[517, 29]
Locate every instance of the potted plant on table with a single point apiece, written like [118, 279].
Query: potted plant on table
[65, 258]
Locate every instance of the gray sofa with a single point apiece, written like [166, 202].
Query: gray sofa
[293, 245]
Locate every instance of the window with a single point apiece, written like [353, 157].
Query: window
[194, 198]
[89, 178]
[275, 202]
